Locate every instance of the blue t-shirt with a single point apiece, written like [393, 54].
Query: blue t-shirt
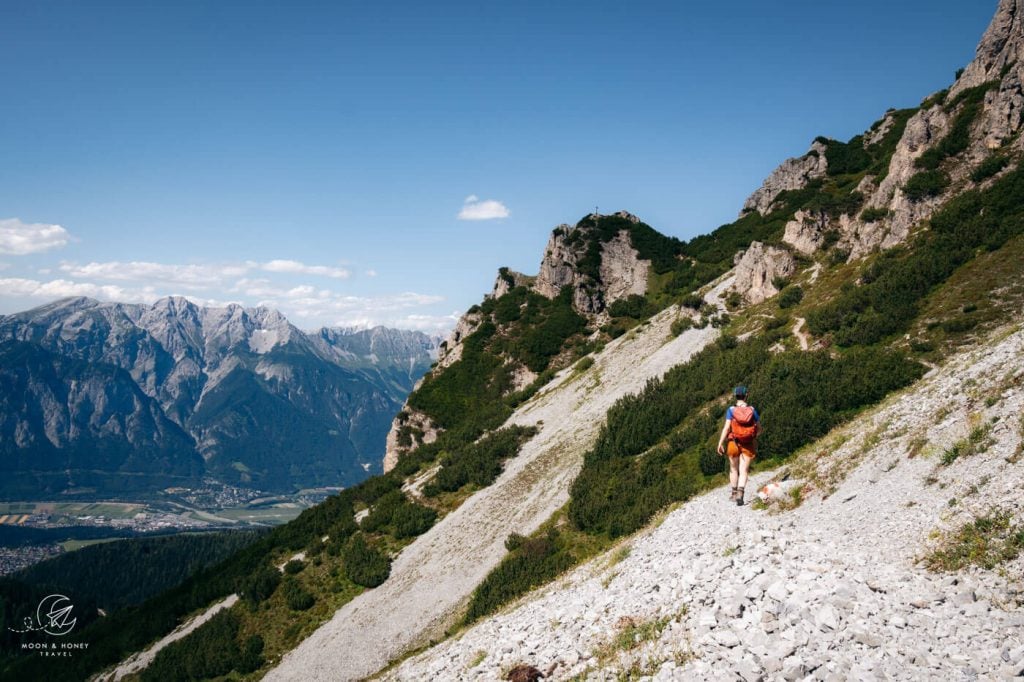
[728, 414]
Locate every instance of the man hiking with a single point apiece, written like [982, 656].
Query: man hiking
[742, 426]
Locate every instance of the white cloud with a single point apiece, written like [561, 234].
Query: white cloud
[294, 266]
[371, 273]
[475, 209]
[186, 276]
[192, 276]
[62, 288]
[19, 239]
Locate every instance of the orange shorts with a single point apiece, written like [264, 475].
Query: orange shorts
[735, 449]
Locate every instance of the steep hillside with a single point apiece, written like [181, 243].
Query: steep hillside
[571, 408]
[856, 573]
[247, 398]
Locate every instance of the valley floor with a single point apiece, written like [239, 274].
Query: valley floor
[832, 589]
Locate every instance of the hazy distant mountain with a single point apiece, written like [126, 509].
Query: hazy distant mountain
[140, 395]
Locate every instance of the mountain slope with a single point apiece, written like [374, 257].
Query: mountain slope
[832, 587]
[262, 403]
[72, 425]
[432, 577]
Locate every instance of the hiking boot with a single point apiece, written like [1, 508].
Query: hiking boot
[732, 495]
[739, 497]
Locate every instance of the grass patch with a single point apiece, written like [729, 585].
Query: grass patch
[977, 442]
[987, 541]
[632, 633]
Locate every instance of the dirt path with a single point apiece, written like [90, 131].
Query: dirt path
[434, 576]
[140, 661]
[801, 335]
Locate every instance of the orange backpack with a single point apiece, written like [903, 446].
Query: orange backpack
[743, 426]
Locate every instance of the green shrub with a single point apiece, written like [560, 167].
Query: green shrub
[847, 158]
[583, 364]
[693, 301]
[294, 566]
[633, 306]
[873, 215]
[680, 325]
[259, 585]
[395, 513]
[838, 256]
[990, 167]
[481, 462]
[790, 296]
[364, 565]
[210, 651]
[532, 562]
[930, 183]
[295, 596]
[776, 322]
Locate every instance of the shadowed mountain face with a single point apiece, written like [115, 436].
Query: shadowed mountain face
[109, 398]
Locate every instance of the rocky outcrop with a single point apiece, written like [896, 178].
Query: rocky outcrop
[806, 231]
[1001, 47]
[409, 430]
[757, 267]
[507, 280]
[450, 350]
[560, 268]
[792, 174]
[621, 271]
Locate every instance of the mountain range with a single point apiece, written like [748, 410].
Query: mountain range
[123, 399]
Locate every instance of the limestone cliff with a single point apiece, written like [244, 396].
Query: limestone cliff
[758, 267]
[792, 174]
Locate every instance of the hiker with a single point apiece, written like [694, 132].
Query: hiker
[742, 426]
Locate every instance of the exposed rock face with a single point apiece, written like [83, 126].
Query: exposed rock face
[408, 430]
[507, 280]
[1000, 57]
[623, 273]
[451, 348]
[806, 231]
[560, 268]
[792, 174]
[757, 267]
[1000, 47]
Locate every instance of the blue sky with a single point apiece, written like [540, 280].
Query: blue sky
[316, 156]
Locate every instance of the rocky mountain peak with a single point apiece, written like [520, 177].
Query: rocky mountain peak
[1001, 47]
[597, 258]
[791, 174]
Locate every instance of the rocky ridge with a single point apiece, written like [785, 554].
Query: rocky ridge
[890, 212]
[832, 589]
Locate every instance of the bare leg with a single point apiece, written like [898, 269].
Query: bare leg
[744, 465]
[734, 470]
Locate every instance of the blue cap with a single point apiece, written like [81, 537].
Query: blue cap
[740, 391]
